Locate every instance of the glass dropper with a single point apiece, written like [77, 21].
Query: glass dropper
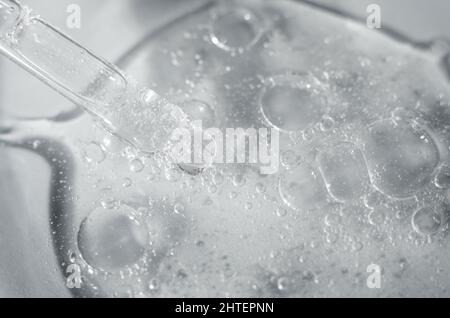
[136, 114]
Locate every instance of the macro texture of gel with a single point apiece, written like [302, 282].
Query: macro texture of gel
[364, 176]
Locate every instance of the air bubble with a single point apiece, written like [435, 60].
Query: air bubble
[302, 189]
[401, 157]
[282, 283]
[179, 208]
[331, 237]
[357, 246]
[127, 182]
[327, 123]
[373, 199]
[281, 212]
[377, 216]
[332, 220]
[136, 165]
[212, 189]
[292, 102]
[94, 153]
[344, 170]
[442, 179]
[153, 286]
[427, 220]
[112, 239]
[235, 29]
[260, 188]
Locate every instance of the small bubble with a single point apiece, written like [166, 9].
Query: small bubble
[403, 263]
[314, 244]
[239, 180]
[212, 189]
[401, 215]
[377, 216]
[327, 123]
[260, 187]
[372, 200]
[111, 240]
[308, 134]
[233, 195]
[127, 183]
[208, 201]
[153, 285]
[273, 254]
[442, 179]
[427, 221]
[179, 208]
[142, 211]
[235, 30]
[36, 144]
[136, 165]
[282, 283]
[357, 246]
[332, 219]
[331, 237]
[94, 153]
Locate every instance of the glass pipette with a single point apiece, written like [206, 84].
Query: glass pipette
[135, 114]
